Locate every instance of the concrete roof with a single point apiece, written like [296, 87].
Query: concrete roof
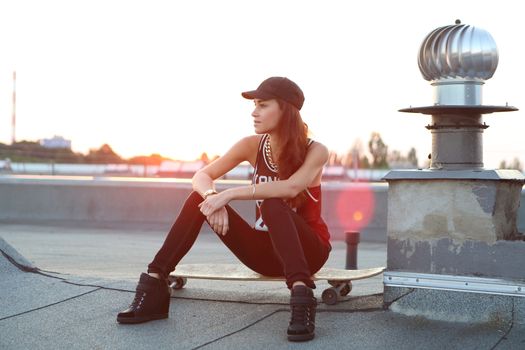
[59, 309]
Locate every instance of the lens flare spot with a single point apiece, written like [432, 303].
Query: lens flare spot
[356, 206]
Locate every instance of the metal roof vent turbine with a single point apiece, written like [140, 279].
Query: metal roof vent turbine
[457, 59]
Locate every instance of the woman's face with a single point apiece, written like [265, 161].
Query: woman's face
[266, 116]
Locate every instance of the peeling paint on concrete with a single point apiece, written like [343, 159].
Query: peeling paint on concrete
[435, 224]
[486, 196]
[473, 227]
[502, 259]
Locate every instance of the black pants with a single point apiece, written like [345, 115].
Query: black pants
[290, 248]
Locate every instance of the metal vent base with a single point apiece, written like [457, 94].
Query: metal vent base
[454, 283]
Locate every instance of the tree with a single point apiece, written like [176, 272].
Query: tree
[395, 157]
[348, 160]
[516, 164]
[103, 155]
[379, 151]
[30, 151]
[364, 163]
[154, 159]
[204, 157]
[412, 157]
[355, 157]
[397, 160]
[333, 158]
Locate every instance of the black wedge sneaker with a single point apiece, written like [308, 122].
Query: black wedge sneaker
[303, 305]
[151, 302]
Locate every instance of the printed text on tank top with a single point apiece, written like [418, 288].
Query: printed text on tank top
[265, 172]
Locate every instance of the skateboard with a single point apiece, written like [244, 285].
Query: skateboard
[340, 280]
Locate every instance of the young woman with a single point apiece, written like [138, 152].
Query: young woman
[289, 237]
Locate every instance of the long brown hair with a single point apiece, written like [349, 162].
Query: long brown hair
[293, 137]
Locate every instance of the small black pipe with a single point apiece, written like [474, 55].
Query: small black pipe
[352, 240]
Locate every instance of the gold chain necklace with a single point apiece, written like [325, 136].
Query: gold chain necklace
[268, 152]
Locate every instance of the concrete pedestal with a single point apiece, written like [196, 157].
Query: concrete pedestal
[446, 226]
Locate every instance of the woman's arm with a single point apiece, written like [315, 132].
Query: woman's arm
[316, 158]
[243, 150]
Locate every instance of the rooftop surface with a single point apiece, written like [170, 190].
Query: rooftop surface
[62, 287]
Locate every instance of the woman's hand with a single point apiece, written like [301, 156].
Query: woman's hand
[213, 203]
[218, 221]
[214, 208]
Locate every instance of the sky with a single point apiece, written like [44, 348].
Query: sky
[166, 76]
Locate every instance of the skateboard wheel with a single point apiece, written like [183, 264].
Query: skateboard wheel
[178, 282]
[346, 289]
[330, 296]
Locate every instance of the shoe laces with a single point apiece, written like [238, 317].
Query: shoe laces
[138, 300]
[301, 314]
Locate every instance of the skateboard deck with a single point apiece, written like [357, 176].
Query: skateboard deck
[339, 279]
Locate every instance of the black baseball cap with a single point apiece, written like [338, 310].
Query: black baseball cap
[278, 87]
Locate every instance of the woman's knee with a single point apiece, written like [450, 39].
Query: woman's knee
[193, 200]
[195, 197]
[270, 205]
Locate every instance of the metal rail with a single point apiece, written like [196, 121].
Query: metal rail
[454, 283]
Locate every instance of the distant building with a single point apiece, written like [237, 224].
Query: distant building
[56, 142]
[5, 165]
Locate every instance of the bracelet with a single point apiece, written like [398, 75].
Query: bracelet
[208, 193]
[253, 191]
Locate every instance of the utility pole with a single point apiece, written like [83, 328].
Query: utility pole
[13, 122]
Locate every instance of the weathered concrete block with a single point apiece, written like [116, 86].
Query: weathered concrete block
[481, 210]
[455, 227]
[458, 224]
